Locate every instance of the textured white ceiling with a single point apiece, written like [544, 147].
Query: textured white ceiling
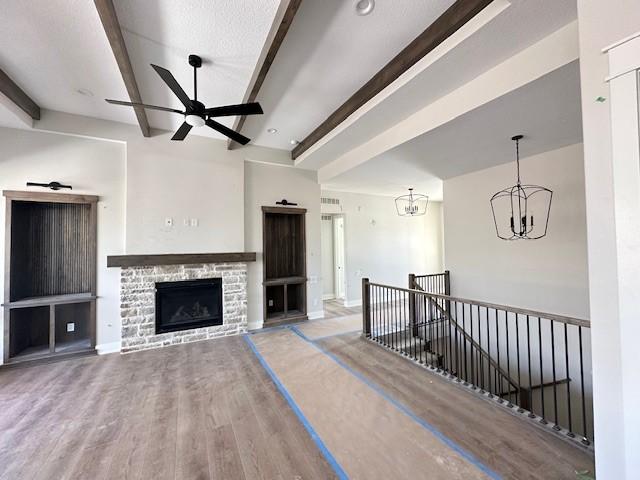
[522, 24]
[546, 111]
[52, 48]
[328, 53]
[227, 34]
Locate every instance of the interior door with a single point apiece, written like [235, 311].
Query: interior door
[338, 249]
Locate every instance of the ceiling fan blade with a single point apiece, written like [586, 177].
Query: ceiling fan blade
[229, 110]
[173, 84]
[143, 105]
[181, 132]
[232, 134]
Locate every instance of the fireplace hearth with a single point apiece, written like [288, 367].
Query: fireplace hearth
[188, 304]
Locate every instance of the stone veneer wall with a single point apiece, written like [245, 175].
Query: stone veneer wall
[138, 311]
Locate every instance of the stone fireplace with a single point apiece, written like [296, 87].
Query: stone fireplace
[177, 303]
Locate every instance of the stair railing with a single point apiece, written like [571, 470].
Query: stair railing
[531, 361]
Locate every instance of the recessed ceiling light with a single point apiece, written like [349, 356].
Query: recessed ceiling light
[272, 130]
[365, 7]
[85, 92]
[294, 142]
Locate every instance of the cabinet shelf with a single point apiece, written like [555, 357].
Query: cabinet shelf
[51, 300]
[50, 275]
[285, 270]
[284, 281]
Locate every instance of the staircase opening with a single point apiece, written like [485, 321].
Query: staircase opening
[535, 363]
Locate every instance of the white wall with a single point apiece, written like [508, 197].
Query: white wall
[617, 423]
[383, 246]
[195, 179]
[265, 185]
[90, 166]
[549, 274]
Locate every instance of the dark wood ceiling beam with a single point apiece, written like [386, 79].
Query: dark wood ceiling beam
[445, 25]
[276, 42]
[111, 26]
[14, 93]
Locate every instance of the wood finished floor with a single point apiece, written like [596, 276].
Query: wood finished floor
[209, 410]
[512, 447]
[335, 308]
[196, 411]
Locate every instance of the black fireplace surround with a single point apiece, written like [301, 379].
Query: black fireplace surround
[188, 304]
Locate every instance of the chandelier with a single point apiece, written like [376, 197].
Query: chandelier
[412, 205]
[521, 212]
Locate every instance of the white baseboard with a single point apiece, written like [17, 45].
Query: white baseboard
[112, 347]
[328, 296]
[315, 315]
[353, 303]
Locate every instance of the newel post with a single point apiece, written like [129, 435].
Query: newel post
[366, 308]
[412, 305]
[447, 283]
[447, 291]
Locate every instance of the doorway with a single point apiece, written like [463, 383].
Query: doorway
[333, 257]
[338, 256]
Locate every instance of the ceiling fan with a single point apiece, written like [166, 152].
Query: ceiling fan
[195, 113]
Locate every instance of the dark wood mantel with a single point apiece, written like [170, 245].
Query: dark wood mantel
[178, 259]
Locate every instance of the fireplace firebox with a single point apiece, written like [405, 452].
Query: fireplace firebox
[188, 304]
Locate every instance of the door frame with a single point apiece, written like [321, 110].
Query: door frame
[339, 258]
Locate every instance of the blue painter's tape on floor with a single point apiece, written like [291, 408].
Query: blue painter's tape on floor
[315, 437]
[403, 408]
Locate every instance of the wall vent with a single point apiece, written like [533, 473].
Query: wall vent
[330, 201]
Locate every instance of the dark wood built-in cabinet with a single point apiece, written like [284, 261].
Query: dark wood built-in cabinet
[285, 264]
[50, 275]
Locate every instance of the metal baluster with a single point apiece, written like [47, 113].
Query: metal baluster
[374, 319]
[405, 318]
[566, 367]
[394, 303]
[519, 392]
[584, 406]
[506, 324]
[543, 420]
[488, 352]
[385, 309]
[464, 344]
[555, 385]
[480, 356]
[498, 386]
[423, 326]
[474, 376]
[456, 342]
[530, 391]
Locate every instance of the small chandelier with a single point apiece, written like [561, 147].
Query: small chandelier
[412, 205]
[515, 207]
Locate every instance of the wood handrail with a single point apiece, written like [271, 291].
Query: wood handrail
[520, 311]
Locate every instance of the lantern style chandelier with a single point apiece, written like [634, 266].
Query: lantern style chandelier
[412, 205]
[521, 212]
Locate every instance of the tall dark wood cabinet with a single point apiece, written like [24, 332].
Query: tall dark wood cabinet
[50, 275]
[285, 265]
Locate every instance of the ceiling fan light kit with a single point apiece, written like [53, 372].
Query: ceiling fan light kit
[412, 205]
[521, 212]
[196, 114]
